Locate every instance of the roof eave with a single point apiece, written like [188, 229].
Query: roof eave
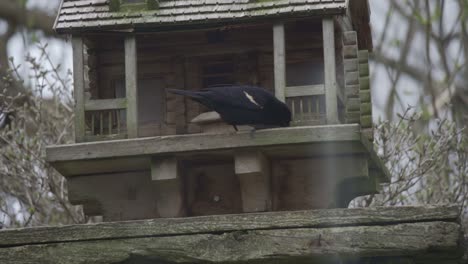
[195, 24]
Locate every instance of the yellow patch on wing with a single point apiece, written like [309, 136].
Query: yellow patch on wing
[251, 99]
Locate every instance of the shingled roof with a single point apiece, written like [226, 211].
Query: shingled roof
[78, 15]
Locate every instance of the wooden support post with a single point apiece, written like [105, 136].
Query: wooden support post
[279, 56]
[78, 82]
[164, 169]
[169, 192]
[253, 170]
[330, 70]
[131, 77]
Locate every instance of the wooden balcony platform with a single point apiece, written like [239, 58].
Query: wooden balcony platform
[280, 143]
[431, 234]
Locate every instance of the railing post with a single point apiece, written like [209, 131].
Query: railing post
[78, 82]
[279, 59]
[131, 77]
[330, 70]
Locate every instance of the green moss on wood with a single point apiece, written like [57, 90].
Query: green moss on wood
[365, 96]
[364, 83]
[366, 121]
[363, 56]
[114, 5]
[363, 69]
[152, 4]
[366, 109]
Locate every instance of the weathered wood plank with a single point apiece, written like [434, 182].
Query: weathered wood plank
[363, 56]
[350, 38]
[202, 142]
[330, 71]
[105, 104]
[253, 171]
[365, 96]
[364, 83]
[78, 83]
[225, 223]
[279, 58]
[350, 52]
[306, 90]
[131, 80]
[351, 65]
[436, 240]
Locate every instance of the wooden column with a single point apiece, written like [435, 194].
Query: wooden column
[279, 57]
[131, 80]
[169, 192]
[78, 82]
[330, 70]
[253, 170]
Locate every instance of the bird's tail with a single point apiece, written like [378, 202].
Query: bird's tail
[191, 94]
[194, 95]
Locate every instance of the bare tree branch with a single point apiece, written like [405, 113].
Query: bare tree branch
[15, 14]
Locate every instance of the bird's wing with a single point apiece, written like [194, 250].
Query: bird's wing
[238, 96]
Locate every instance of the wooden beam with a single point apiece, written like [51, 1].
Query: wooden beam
[78, 83]
[105, 104]
[180, 144]
[330, 71]
[131, 80]
[168, 187]
[164, 169]
[170, 198]
[425, 235]
[429, 243]
[279, 58]
[226, 223]
[253, 170]
[305, 90]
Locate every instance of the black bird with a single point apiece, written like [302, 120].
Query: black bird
[242, 105]
[5, 118]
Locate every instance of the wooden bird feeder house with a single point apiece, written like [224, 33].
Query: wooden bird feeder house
[143, 153]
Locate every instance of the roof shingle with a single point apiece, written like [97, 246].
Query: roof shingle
[95, 14]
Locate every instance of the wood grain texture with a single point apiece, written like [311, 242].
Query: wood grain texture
[330, 71]
[131, 76]
[78, 83]
[226, 223]
[305, 90]
[202, 142]
[253, 171]
[433, 241]
[279, 56]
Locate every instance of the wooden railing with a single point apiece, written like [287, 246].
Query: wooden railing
[307, 104]
[105, 119]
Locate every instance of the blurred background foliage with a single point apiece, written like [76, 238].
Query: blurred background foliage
[419, 87]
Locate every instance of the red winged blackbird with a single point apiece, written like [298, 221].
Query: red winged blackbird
[5, 118]
[242, 105]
